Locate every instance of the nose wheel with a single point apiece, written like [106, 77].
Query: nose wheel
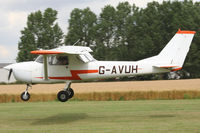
[25, 96]
[65, 94]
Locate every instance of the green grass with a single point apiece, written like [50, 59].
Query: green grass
[152, 116]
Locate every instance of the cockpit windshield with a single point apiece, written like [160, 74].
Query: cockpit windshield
[87, 57]
[39, 59]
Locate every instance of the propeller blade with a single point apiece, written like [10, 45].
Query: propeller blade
[9, 75]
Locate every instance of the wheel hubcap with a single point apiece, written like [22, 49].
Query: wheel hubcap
[63, 96]
[25, 96]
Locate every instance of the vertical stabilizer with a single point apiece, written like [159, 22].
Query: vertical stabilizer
[174, 53]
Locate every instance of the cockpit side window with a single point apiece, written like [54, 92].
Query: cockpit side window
[58, 60]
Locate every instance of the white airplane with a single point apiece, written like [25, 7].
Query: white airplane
[72, 63]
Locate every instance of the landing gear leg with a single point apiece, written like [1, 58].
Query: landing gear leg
[67, 93]
[25, 96]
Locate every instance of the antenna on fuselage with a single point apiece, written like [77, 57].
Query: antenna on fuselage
[76, 42]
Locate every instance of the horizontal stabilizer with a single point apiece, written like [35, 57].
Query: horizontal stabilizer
[171, 68]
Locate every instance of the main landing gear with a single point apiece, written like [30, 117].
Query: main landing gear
[65, 94]
[62, 96]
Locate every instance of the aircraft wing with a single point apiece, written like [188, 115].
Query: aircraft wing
[64, 50]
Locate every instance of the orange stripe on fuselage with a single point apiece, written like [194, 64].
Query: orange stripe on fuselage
[74, 74]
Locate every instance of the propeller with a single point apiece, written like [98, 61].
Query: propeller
[10, 72]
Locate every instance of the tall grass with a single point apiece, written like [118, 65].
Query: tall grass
[4, 98]
[139, 95]
[114, 96]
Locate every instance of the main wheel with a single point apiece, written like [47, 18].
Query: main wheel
[63, 96]
[70, 92]
[25, 97]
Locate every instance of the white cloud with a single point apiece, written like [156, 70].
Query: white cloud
[11, 27]
[8, 53]
[17, 19]
[3, 51]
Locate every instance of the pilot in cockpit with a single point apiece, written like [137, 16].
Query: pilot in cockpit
[62, 60]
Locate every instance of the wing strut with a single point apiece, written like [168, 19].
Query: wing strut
[45, 67]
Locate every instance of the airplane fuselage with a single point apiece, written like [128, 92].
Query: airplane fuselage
[33, 72]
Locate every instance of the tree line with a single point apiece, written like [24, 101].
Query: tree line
[125, 32]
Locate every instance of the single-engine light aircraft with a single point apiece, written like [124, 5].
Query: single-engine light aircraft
[72, 63]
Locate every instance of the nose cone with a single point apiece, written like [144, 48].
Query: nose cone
[21, 71]
[8, 67]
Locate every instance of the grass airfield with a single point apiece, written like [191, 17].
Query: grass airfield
[166, 116]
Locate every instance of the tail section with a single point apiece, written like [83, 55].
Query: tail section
[176, 50]
[174, 53]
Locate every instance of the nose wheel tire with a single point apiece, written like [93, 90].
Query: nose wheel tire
[25, 96]
[63, 96]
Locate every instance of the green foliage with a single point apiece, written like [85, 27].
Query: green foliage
[41, 33]
[81, 27]
[131, 33]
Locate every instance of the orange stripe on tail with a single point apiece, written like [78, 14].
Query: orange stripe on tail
[185, 32]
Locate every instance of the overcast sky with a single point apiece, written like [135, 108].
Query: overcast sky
[13, 17]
